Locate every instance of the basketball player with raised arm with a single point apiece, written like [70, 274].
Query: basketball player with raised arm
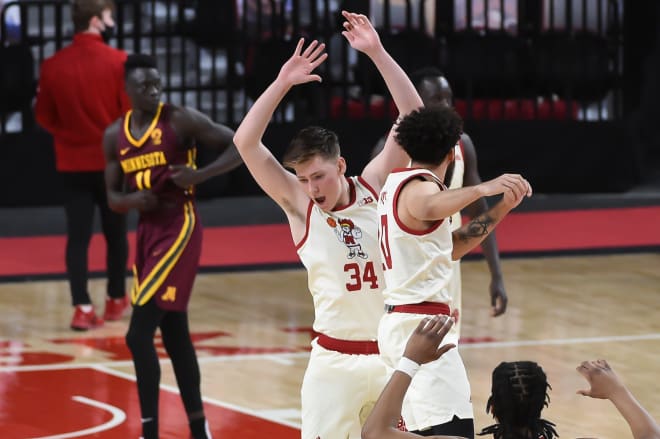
[418, 247]
[333, 223]
[434, 89]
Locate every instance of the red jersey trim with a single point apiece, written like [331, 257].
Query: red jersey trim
[397, 170]
[364, 183]
[395, 204]
[307, 224]
[352, 196]
[145, 136]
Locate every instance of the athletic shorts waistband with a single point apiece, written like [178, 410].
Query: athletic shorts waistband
[431, 308]
[351, 347]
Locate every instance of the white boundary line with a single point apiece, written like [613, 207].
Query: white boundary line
[562, 341]
[226, 405]
[118, 416]
[281, 358]
[288, 358]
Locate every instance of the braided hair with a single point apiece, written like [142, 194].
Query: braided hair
[519, 393]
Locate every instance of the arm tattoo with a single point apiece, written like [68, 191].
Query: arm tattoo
[477, 228]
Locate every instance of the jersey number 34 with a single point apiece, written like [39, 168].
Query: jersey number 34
[357, 279]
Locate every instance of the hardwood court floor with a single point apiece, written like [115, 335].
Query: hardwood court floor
[252, 334]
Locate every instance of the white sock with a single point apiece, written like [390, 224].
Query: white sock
[86, 308]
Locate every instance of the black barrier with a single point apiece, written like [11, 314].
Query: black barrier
[559, 60]
[550, 67]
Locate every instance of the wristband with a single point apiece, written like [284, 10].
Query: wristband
[408, 366]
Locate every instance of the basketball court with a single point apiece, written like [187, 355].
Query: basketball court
[593, 296]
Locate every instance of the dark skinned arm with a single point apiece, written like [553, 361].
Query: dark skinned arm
[514, 188]
[192, 125]
[119, 201]
[422, 347]
[498, 297]
[604, 383]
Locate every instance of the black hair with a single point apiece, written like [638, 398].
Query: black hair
[420, 75]
[139, 61]
[310, 142]
[428, 134]
[519, 394]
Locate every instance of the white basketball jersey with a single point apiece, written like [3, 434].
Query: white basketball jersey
[457, 181]
[344, 273]
[417, 264]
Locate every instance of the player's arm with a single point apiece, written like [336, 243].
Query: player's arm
[362, 36]
[277, 182]
[119, 201]
[498, 297]
[514, 188]
[605, 384]
[192, 124]
[426, 202]
[423, 347]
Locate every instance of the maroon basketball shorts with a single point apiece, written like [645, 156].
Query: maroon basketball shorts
[167, 257]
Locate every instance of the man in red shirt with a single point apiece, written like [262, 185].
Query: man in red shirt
[81, 92]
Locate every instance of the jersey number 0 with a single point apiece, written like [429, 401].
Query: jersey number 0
[384, 243]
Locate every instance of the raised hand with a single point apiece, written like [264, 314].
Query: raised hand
[360, 33]
[424, 344]
[298, 69]
[603, 381]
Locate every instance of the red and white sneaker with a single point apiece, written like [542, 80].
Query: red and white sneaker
[82, 321]
[115, 309]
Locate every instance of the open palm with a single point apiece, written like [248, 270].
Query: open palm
[360, 33]
[298, 69]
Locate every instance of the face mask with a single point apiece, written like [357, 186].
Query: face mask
[107, 33]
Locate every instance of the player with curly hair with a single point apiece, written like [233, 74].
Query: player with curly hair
[417, 250]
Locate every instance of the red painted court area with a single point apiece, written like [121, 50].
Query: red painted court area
[91, 403]
[555, 231]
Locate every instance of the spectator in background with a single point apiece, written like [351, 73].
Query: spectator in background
[81, 92]
[11, 22]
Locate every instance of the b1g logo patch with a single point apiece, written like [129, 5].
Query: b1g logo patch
[365, 200]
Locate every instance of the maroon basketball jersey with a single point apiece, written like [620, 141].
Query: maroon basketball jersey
[169, 238]
[146, 161]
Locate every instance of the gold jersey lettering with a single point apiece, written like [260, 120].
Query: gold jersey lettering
[144, 161]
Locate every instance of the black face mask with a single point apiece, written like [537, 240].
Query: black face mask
[107, 33]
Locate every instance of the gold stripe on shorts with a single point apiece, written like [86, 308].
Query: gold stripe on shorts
[158, 274]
